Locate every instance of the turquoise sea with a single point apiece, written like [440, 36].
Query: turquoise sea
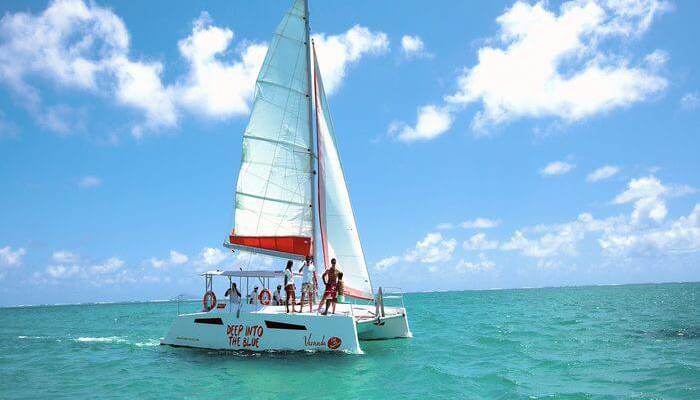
[638, 341]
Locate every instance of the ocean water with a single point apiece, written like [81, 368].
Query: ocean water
[639, 341]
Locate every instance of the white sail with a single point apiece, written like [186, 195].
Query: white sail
[339, 236]
[274, 189]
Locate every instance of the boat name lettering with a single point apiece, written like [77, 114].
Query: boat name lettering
[244, 336]
[309, 341]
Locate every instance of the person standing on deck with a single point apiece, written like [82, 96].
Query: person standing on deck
[330, 279]
[308, 282]
[289, 286]
[234, 294]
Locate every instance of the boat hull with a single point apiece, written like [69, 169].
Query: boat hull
[389, 327]
[268, 329]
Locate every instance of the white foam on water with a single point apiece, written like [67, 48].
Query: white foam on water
[108, 339]
[148, 343]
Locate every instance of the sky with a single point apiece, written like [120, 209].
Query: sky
[486, 145]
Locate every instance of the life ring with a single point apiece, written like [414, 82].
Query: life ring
[265, 297]
[209, 301]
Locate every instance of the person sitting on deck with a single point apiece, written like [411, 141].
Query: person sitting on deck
[289, 285]
[340, 287]
[308, 282]
[234, 294]
[277, 296]
[330, 279]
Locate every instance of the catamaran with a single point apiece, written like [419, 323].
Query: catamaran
[291, 202]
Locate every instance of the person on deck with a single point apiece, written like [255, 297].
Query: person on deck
[330, 279]
[308, 283]
[233, 294]
[289, 286]
[277, 296]
[254, 297]
[340, 289]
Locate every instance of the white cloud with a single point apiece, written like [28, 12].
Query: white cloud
[108, 266]
[214, 87]
[337, 52]
[551, 64]
[479, 242]
[432, 121]
[85, 47]
[89, 181]
[432, 249]
[556, 240]
[62, 271]
[11, 258]
[679, 236]
[480, 223]
[690, 101]
[481, 265]
[556, 168]
[445, 226]
[387, 262]
[178, 258]
[64, 257]
[648, 194]
[413, 47]
[604, 172]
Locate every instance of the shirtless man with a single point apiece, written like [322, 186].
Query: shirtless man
[330, 279]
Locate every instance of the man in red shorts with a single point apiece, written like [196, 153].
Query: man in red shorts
[330, 279]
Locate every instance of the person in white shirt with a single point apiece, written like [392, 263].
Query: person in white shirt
[308, 283]
[289, 286]
[254, 297]
[277, 296]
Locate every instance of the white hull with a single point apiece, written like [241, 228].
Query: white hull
[269, 328]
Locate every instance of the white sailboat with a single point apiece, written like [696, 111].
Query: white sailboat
[291, 202]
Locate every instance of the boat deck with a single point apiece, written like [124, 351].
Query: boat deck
[359, 312]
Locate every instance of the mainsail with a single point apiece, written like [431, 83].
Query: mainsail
[274, 193]
[339, 236]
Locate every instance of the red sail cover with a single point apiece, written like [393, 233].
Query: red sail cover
[284, 244]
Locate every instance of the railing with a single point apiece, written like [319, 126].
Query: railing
[393, 294]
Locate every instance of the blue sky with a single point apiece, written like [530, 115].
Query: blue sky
[504, 144]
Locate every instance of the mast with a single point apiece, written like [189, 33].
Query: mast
[312, 163]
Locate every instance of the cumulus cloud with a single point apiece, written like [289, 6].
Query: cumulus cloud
[550, 64]
[337, 52]
[566, 64]
[83, 46]
[10, 257]
[432, 249]
[387, 262]
[479, 242]
[468, 266]
[680, 236]
[602, 173]
[648, 195]
[214, 87]
[556, 240]
[176, 258]
[432, 121]
[556, 168]
[480, 223]
[413, 47]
